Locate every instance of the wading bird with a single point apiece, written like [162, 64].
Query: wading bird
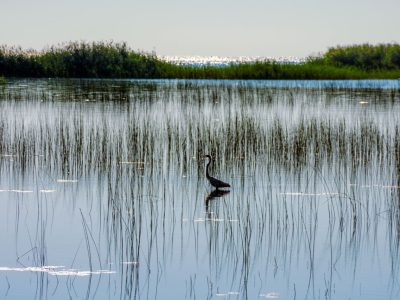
[214, 181]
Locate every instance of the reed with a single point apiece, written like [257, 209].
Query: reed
[314, 175]
[365, 56]
[117, 60]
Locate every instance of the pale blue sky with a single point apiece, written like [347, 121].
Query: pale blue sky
[187, 27]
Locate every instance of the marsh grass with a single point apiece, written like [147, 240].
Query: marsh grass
[70, 128]
[315, 178]
[117, 60]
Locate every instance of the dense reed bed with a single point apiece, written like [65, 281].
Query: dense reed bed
[117, 60]
[233, 122]
[116, 170]
[365, 56]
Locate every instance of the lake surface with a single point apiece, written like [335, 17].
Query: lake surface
[103, 192]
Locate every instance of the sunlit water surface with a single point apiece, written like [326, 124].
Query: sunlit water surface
[103, 193]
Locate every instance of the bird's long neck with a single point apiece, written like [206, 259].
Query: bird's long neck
[208, 164]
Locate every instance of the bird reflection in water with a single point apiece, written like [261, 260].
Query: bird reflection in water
[212, 196]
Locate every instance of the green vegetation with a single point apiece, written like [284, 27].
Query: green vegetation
[114, 60]
[366, 57]
[2, 80]
[96, 60]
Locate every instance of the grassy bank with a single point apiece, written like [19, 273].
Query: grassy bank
[113, 60]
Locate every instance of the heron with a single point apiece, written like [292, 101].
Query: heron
[214, 181]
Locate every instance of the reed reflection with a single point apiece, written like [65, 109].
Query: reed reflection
[113, 168]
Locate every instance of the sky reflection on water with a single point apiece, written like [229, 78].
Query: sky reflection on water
[106, 179]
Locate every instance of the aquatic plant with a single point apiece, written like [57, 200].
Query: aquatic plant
[117, 60]
[365, 56]
[314, 169]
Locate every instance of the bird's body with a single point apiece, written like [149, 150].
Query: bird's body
[214, 181]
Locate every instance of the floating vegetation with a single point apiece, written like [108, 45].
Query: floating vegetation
[67, 180]
[227, 294]
[57, 271]
[272, 295]
[310, 194]
[16, 191]
[47, 191]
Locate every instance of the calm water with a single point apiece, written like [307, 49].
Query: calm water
[103, 193]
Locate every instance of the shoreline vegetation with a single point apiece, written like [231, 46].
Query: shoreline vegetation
[117, 60]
